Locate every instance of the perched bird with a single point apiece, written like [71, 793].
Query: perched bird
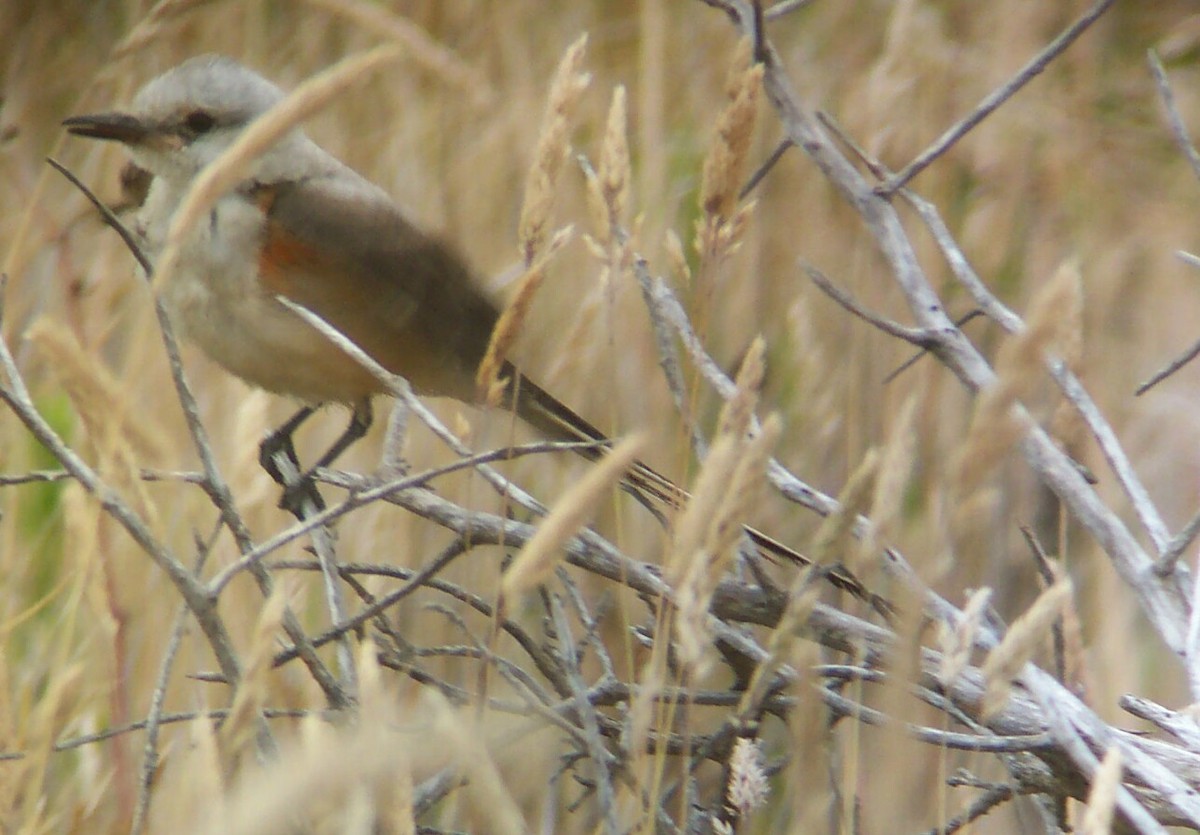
[306, 227]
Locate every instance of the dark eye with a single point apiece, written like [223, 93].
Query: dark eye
[199, 121]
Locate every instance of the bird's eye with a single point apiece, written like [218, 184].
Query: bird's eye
[199, 121]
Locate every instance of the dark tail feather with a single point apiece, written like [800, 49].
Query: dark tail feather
[557, 422]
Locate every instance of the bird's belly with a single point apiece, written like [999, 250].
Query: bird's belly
[268, 346]
[216, 300]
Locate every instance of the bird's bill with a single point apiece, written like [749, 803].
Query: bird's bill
[118, 127]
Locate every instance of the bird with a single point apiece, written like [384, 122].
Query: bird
[305, 226]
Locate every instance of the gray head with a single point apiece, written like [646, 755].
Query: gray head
[181, 120]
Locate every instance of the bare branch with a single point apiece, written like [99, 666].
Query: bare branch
[1179, 130]
[912, 335]
[993, 100]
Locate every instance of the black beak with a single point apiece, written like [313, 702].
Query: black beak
[119, 127]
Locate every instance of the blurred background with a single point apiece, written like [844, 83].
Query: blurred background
[1079, 165]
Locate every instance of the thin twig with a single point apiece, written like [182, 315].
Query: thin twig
[934, 736]
[980, 806]
[591, 624]
[994, 99]
[914, 336]
[1171, 367]
[305, 505]
[759, 175]
[786, 7]
[54, 476]
[154, 718]
[1180, 725]
[416, 580]
[1041, 561]
[1178, 129]
[1170, 557]
[668, 354]
[602, 758]
[216, 714]
[915, 358]
[110, 218]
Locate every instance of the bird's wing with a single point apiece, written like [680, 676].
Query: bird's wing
[403, 296]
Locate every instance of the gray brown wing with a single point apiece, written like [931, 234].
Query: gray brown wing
[403, 296]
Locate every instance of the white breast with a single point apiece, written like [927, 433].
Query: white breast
[216, 300]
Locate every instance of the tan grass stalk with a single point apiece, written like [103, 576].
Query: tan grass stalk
[120, 438]
[488, 386]
[720, 226]
[99, 395]
[419, 47]
[575, 349]
[321, 785]
[712, 560]
[485, 786]
[1076, 668]
[1067, 425]
[725, 165]
[373, 698]
[994, 428]
[748, 788]
[735, 229]
[1019, 644]
[891, 482]
[739, 409]
[595, 247]
[741, 60]
[708, 529]
[238, 729]
[614, 156]
[676, 258]
[195, 786]
[749, 473]
[802, 597]
[608, 188]
[1102, 798]
[536, 561]
[153, 24]
[566, 88]
[691, 567]
[711, 489]
[708, 495]
[251, 422]
[50, 715]
[958, 642]
[227, 170]
[1054, 311]
[833, 541]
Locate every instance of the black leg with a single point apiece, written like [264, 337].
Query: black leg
[278, 445]
[277, 448]
[279, 442]
[360, 421]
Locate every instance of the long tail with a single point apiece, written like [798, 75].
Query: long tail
[556, 421]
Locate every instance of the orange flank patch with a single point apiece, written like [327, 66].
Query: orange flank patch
[280, 254]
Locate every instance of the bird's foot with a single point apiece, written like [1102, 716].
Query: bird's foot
[277, 455]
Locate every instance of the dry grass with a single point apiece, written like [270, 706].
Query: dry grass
[467, 129]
